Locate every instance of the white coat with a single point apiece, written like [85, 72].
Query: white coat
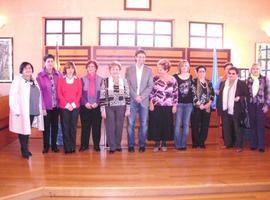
[19, 98]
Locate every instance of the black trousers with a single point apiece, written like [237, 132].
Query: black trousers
[50, 128]
[199, 126]
[232, 129]
[24, 139]
[69, 127]
[90, 119]
[257, 122]
[161, 124]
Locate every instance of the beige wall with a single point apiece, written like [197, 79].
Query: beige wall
[243, 21]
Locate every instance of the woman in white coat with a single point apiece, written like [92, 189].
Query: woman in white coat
[25, 106]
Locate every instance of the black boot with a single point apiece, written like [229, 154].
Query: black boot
[23, 143]
[27, 145]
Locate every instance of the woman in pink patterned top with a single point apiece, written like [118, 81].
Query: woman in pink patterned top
[163, 102]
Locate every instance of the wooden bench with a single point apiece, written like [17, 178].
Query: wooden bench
[4, 112]
[6, 137]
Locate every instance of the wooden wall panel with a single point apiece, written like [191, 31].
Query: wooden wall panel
[79, 54]
[197, 56]
[125, 55]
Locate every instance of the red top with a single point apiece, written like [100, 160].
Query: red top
[69, 93]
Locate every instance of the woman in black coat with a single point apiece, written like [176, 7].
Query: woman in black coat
[232, 92]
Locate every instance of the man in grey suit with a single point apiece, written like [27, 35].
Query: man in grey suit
[140, 80]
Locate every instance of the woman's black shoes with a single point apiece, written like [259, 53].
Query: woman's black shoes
[261, 150]
[55, 150]
[25, 155]
[97, 148]
[83, 148]
[45, 150]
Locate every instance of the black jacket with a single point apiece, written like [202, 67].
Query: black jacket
[241, 91]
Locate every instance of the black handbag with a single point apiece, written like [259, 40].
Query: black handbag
[245, 123]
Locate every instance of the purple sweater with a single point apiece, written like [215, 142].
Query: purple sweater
[46, 87]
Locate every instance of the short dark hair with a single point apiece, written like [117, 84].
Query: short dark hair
[47, 57]
[140, 51]
[23, 65]
[226, 64]
[200, 67]
[92, 62]
[234, 69]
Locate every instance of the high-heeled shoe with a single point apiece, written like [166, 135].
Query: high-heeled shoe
[83, 148]
[55, 150]
[238, 150]
[111, 151]
[97, 148]
[26, 156]
[45, 150]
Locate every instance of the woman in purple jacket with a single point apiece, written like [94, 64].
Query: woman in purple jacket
[258, 103]
[90, 110]
[47, 80]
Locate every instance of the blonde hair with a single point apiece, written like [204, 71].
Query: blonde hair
[165, 63]
[115, 63]
[255, 64]
[183, 62]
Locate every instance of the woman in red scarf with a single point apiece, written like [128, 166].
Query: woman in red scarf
[90, 110]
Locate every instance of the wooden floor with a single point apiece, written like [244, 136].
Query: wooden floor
[211, 173]
[224, 196]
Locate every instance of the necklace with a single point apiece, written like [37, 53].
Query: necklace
[184, 76]
[203, 84]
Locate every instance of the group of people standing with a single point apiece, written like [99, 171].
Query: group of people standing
[39, 103]
[239, 100]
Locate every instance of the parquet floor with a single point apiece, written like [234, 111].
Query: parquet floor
[211, 173]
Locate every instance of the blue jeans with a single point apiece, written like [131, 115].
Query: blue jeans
[182, 119]
[143, 114]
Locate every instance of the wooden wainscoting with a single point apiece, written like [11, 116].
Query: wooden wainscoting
[197, 56]
[126, 56]
[78, 54]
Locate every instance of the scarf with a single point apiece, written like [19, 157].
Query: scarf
[228, 96]
[92, 80]
[199, 92]
[255, 85]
